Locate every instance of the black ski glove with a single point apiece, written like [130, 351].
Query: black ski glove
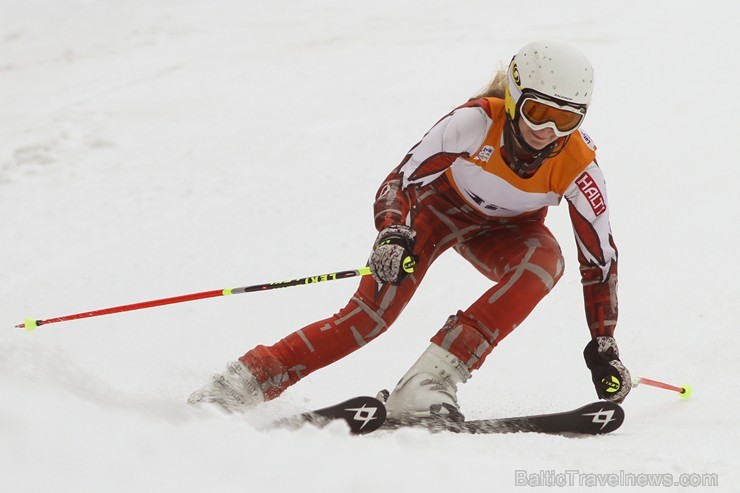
[610, 377]
[392, 257]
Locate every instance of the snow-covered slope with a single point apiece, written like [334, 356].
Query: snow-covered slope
[155, 148]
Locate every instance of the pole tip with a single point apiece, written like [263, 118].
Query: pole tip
[29, 324]
[685, 392]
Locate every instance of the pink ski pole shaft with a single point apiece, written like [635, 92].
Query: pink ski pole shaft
[684, 391]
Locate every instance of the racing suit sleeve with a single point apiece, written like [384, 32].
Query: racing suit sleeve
[460, 133]
[597, 253]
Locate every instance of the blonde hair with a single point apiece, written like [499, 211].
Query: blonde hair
[495, 88]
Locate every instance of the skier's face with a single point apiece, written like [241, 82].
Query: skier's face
[538, 139]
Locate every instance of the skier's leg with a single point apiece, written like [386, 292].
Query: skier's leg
[439, 225]
[526, 262]
[368, 314]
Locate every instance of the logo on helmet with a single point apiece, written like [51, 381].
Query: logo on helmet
[515, 75]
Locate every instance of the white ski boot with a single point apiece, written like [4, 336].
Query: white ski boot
[234, 390]
[429, 388]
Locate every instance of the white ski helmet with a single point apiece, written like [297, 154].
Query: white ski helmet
[550, 72]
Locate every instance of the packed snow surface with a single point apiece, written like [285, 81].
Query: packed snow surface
[156, 148]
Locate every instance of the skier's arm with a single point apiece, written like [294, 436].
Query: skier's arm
[597, 253]
[392, 202]
[458, 134]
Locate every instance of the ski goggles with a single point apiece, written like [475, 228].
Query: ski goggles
[541, 113]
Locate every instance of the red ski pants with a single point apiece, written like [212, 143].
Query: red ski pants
[521, 256]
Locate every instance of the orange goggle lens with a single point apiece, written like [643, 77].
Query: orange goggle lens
[539, 113]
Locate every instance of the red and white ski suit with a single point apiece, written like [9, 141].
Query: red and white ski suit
[455, 190]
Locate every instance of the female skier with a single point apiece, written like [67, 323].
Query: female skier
[480, 181]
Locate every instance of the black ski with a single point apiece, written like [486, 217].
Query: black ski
[596, 418]
[362, 415]
[367, 414]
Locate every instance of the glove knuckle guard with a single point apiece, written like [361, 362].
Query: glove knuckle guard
[392, 246]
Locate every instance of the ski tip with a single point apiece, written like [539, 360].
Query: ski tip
[603, 417]
[362, 414]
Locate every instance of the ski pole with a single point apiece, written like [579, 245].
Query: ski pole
[29, 324]
[684, 391]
